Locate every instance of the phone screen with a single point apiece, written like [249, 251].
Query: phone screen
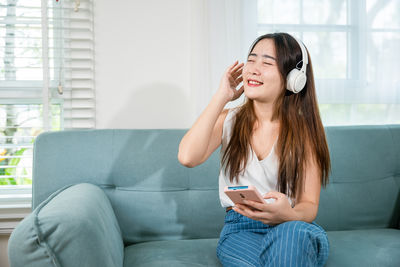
[237, 187]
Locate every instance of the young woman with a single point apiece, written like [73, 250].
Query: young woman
[276, 142]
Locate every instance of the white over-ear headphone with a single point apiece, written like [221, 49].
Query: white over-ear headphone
[297, 78]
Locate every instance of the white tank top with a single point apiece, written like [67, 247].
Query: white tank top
[263, 174]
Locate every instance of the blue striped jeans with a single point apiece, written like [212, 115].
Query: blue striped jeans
[245, 242]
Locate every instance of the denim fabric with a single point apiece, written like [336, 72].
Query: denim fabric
[246, 242]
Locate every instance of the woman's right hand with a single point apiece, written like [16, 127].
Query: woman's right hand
[230, 81]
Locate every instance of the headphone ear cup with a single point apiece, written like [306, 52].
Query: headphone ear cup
[291, 78]
[296, 80]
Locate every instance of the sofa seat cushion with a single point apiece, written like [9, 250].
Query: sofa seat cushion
[372, 247]
[177, 253]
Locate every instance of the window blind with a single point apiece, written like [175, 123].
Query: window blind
[46, 81]
[74, 75]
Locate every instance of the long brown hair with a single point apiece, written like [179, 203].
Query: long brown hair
[301, 133]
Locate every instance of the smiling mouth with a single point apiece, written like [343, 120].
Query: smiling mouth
[254, 83]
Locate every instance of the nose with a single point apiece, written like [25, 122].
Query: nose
[256, 72]
[253, 69]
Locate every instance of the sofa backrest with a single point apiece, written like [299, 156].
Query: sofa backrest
[155, 198]
[364, 189]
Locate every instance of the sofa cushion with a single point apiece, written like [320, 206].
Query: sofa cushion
[75, 226]
[372, 247]
[177, 253]
[364, 186]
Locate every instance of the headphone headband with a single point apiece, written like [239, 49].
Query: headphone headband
[302, 47]
[303, 54]
[296, 79]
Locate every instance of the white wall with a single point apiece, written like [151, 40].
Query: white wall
[3, 250]
[142, 59]
[142, 68]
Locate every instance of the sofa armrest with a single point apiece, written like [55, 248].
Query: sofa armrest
[75, 226]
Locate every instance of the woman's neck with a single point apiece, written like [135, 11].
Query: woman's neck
[264, 112]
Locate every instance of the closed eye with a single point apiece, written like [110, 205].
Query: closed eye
[267, 63]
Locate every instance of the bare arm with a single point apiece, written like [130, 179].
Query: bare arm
[205, 135]
[306, 207]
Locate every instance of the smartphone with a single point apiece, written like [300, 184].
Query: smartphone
[239, 193]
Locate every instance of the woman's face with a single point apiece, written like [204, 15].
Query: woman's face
[261, 77]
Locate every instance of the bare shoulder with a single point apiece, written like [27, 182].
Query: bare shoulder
[216, 136]
[233, 112]
[222, 117]
[224, 113]
[219, 125]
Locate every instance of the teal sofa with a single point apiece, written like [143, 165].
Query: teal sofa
[120, 198]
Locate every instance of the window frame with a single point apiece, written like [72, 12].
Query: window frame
[357, 31]
[69, 85]
[16, 200]
[354, 29]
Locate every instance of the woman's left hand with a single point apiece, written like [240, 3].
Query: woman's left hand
[268, 213]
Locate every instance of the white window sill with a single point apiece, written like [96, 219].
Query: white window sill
[15, 205]
[11, 215]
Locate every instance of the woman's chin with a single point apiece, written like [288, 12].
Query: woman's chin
[251, 95]
[259, 95]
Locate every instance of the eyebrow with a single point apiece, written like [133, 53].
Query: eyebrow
[266, 56]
